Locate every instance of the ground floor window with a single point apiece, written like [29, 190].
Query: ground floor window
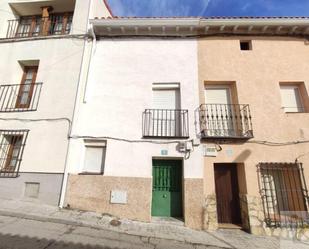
[284, 194]
[94, 157]
[12, 144]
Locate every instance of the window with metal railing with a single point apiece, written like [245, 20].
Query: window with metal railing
[31, 26]
[12, 143]
[284, 194]
[224, 121]
[20, 97]
[166, 123]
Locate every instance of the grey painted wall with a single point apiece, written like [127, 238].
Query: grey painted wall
[48, 192]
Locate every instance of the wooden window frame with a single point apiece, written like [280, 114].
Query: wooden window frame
[20, 92]
[13, 141]
[284, 194]
[65, 20]
[46, 23]
[34, 20]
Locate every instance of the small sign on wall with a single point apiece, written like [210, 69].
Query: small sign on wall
[119, 197]
[210, 150]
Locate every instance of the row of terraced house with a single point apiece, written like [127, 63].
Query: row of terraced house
[201, 119]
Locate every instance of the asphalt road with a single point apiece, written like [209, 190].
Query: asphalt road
[17, 233]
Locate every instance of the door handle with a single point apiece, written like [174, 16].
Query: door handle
[164, 196]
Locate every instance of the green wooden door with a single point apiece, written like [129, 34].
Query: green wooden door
[167, 188]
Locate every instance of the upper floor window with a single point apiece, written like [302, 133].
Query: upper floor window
[221, 116]
[30, 26]
[291, 96]
[166, 118]
[166, 96]
[26, 87]
[23, 96]
[245, 45]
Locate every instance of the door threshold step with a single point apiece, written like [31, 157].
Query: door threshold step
[168, 221]
[229, 226]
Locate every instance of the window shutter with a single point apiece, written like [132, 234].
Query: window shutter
[217, 96]
[94, 159]
[291, 101]
[165, 99]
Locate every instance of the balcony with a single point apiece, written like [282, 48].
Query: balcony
[19, 97]
[33, 26]
[224, 121]
[165, 123]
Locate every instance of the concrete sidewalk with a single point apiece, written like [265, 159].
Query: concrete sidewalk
[155, 230]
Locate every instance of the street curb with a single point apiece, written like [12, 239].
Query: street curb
[83, 224]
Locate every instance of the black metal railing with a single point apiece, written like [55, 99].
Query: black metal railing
[224, 121]
[284, 194]
[20, 97]
[39, 26]
[167, 123]
[12, 143]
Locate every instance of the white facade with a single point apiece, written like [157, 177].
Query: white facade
[119, 89]
[59, 59]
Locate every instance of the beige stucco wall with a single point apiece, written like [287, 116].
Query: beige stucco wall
[256, 75]
[193, 203]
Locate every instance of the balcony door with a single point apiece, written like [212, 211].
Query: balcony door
[218, 111]
[26, 87]
[166, 115]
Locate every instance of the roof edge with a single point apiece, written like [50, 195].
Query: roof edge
[200, 26]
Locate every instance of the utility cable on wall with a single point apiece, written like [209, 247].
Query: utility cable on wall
[260, 142]
[129, 140]
[42, 120]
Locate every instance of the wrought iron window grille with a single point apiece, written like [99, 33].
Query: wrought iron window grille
[284, 194]
[12, 143]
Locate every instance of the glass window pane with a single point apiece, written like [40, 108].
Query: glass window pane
[24, 98]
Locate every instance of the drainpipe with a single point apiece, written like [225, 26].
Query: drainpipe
[76, 102]
[93, 48]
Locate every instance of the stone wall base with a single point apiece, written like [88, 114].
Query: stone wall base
[252, 215]
[93, 193]
[210, 213]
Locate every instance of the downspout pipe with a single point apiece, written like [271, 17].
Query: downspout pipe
[66, 168]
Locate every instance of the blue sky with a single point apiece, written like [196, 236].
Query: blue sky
[209, 7]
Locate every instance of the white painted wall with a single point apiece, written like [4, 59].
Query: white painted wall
[119, 89]
[59, 67]
[98, 9]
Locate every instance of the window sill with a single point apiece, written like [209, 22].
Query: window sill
[91, 173]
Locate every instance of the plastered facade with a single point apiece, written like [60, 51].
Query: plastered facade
[111, 104]
[257, 74]
[59, 61]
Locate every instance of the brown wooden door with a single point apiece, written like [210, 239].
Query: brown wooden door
[227, 193]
